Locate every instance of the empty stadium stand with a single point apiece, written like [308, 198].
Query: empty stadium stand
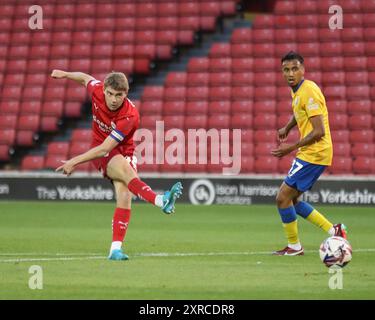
[236, 84]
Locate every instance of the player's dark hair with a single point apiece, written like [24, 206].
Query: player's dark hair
[117, 81]
[291, 55]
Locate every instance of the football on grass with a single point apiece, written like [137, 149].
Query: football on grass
[335, 251]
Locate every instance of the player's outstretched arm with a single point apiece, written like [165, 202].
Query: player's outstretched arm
[315, 135]
[79, 77]
[97, 152]
[283, 132]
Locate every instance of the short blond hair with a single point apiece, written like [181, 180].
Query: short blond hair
[117, 81]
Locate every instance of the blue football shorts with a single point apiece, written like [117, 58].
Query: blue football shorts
[302, 175]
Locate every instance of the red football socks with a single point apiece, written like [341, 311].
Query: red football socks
[142, 190]
[120, 224]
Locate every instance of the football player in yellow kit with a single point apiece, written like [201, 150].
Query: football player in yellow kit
[314, 154]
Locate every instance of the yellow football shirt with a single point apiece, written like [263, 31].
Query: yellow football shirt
[308, 101]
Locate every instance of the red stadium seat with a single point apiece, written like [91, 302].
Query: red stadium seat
[153, 93]
[198, 64]
[332, 63]
[58, 148]
[264, 121]
[361, 92]
[220, 50]
[241, 35]
[191, 23]
[195, 122]
[263, 21]
[220, 64]
[72, 109]
[7, 136]
[361, 136]
[28, 122]
[360, 122]
[173, 121]
[198, 79]
[188, 8]
[54, 161]
[263, 49]
[308, 35]
[247, 136]
[247, 149]
[152, 107]
[30, 163]
[264, 136]
[196, 107]
[146, 9]
[53, 108]
[220, 79]
[247, 165]
[49, 124]
[358, 63]
[78, 147]
[263, 35]
[242, 106]
[285, 7]
[305, 21]
[333, 78]
[264, 93]
[241, 50]
[363, 150]
[265, 64]
[244, 64]
[265, 164]
[242, 93]
[357, 78]
[219, 121]
[31, 107]
[8, 121]
[282, 48]
[167, 9]
[268, 106]
[241, 121]
[207, 23]
[219, 93]
[338, 121]
[285, 35]
[340, 136]
[242, 78]
[177, 93]
[334, 92]
[10, 107]
[359, 107]
[195, 93]
[219, 107]
[228, 7]
[33, 93]
[173, 108]
[285, 163]
[363, 165]
[83, 135]
[342, 149]
[341, 165]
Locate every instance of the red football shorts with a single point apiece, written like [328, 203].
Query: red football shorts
[101, 163]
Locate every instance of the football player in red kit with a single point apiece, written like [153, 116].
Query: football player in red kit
[115, 119]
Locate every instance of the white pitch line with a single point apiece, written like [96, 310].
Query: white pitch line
[92, 256]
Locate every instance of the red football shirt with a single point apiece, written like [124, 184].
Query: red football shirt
[120, 124]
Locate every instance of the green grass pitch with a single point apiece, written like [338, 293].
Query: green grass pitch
[200, 252]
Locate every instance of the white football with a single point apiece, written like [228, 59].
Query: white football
[335, 251]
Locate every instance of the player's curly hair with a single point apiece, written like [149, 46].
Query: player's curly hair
[292, 55]
[117, 81]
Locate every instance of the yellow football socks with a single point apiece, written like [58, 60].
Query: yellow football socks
[319, 220]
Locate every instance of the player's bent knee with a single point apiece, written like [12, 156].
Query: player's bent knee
[120, 169]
